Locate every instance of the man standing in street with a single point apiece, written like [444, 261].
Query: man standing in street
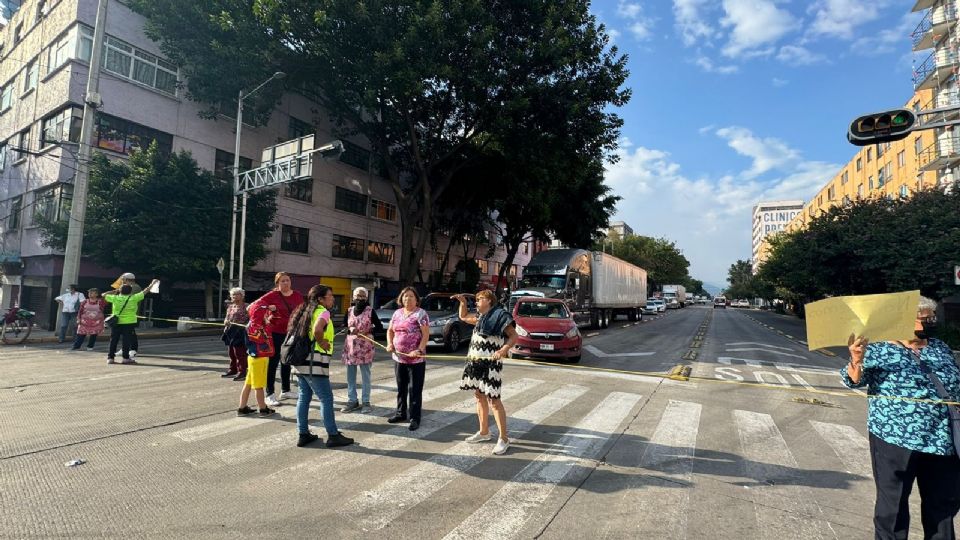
[69, 302]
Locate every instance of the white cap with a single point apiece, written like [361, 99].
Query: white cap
[128, 275]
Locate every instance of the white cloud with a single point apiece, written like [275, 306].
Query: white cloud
[766, 153]
[629, 10]
[707, 65]
[795, 55]
[639, 25]
[887, 40]
[840, 18]
[715, 210]
[691, 21]
[756, 25]
[613, 33]
[779, 83]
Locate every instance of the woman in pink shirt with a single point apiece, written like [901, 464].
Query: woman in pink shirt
[90, 317]
[407, 338]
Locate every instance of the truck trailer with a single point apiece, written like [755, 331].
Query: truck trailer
[675, 296]
[595, 286]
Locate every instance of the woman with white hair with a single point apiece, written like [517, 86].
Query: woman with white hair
[358, 352]
[234, 332]
[912, 437]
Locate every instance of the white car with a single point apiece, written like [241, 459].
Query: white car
[661, 305]
[651, 307]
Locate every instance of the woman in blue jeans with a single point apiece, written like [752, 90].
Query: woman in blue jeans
[312, 319]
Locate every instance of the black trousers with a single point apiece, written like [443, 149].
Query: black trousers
[410, 385]
[129, 334]
[938, 480]
[272, 367]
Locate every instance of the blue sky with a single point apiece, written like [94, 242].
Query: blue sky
[740, 101]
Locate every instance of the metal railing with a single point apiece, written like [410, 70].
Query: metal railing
[946, 148]
[936, 60]
[934, 16]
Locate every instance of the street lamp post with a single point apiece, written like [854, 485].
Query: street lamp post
[236, 182]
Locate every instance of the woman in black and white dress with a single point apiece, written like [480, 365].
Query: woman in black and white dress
[493, 337]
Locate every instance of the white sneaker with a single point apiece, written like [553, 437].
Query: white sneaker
[89, 348]
[110, 360]
[133, 355]
[272, 401]
[501, 447]
[478, 438]
[286, 395]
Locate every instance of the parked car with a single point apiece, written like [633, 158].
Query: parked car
[661, 305]
[545, 329]
[720, 302]
[742, 303]
[651, 308]
[446, 328]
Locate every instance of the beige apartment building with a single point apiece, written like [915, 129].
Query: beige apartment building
[340, 227]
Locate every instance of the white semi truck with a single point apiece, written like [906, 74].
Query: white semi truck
[675, 296]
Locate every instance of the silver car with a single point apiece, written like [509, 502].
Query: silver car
[446, 328]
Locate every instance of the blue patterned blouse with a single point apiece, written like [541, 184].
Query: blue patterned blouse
[891, 370]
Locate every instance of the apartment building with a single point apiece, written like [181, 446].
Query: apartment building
[769, 218]
[340, 227]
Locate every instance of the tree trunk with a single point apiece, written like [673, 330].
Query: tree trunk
[513, 246]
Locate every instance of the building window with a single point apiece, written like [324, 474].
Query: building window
[526, 248]
[888, 170]
[355, 155]
[346, 247]
[901, 158]
[122, 136]
[831, 193]
[383, 210]
[298, 128]
[484, 267]
[223, 165]
[137, 65]
[860, 191]
[295, 239]
[52, 204]
[351, 201]
[84, 42]
[918, 146]
[16, 206]
[904, 192]
[844, 178]
[6, 95]
[41, 10]
[880, 149]
[60, 51]
[301, 190]
[881, 178]
[3, 156]
[379, 252]
[869, 155]
[63, 126]
[23, 144]
[31, 76]
[859, 163]
[18, 33]
[870, 180]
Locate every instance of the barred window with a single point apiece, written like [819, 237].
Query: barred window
[379, 252]
[295, 239]
[351, 201]
[383, 210]
[16, 205]
[346, 247]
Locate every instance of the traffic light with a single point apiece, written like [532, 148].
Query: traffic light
[881, 127]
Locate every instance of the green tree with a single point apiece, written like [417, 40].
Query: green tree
[663, 261]
[163, 216]
[428, 84]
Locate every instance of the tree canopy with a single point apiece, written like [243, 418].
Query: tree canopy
[663, 261]
[164, 216]
[431, 85]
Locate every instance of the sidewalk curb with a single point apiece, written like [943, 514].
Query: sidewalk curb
[146, 335]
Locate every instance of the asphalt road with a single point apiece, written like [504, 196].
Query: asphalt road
[739, 451]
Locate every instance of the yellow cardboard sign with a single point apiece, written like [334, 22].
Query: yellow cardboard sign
[878, 317]
[116, 284]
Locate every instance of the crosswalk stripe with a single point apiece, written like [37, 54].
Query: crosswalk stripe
[662, 500]
[393, 439]
[782, 510]
[230, 425]
[504, 514]
[254, 448]
[851, 447]
[375, 509]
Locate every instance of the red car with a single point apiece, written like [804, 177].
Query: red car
[546, 329]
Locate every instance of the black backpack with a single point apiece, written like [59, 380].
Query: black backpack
[296, 350]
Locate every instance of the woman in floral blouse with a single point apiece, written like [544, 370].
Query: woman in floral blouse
[407, 338]
[357, 351]
[90, 317]
[234, 331]
[912, 438]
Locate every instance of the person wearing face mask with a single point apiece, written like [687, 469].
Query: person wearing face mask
[357, 351]
[912, 438]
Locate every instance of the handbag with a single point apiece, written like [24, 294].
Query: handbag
[952, 410]
[111, 320]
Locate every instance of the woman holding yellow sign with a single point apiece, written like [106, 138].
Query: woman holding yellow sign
[912, 437]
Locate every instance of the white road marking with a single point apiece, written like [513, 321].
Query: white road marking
[597, 352]
[375, 509]
[662, 499]
[799, 368]
[505, 513]
[760, 344]
[802, 382]
[728, 360]
[851, 447]
[782, 507]
[762, 376]
[745, 349]
[593, 334]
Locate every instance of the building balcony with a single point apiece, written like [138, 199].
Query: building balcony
[921, 5]
[934, 26]
[935, 68]
[941, 154]
[945, 98]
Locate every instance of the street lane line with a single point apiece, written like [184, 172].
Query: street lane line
[760, 344]
[767, 351]
[851, 447]
[505, 513]
[661, 499]
[783, 507]
[803, 382]
[597, 352]
[391, 440]
[222, 427]
[376, 508]
[728, 360]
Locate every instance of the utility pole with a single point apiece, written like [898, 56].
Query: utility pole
[91, 102]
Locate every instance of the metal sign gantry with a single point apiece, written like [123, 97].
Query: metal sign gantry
[286, 162]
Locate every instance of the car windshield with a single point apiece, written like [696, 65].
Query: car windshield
[440, 303]
[390, 305]
[552, 310]
[552, 282]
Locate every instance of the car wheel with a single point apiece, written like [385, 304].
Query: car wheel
[639, 315]
[453, 339]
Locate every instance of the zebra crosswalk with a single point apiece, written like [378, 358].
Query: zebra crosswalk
[666, 449]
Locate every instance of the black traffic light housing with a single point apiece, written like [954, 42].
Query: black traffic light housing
[881, 127]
